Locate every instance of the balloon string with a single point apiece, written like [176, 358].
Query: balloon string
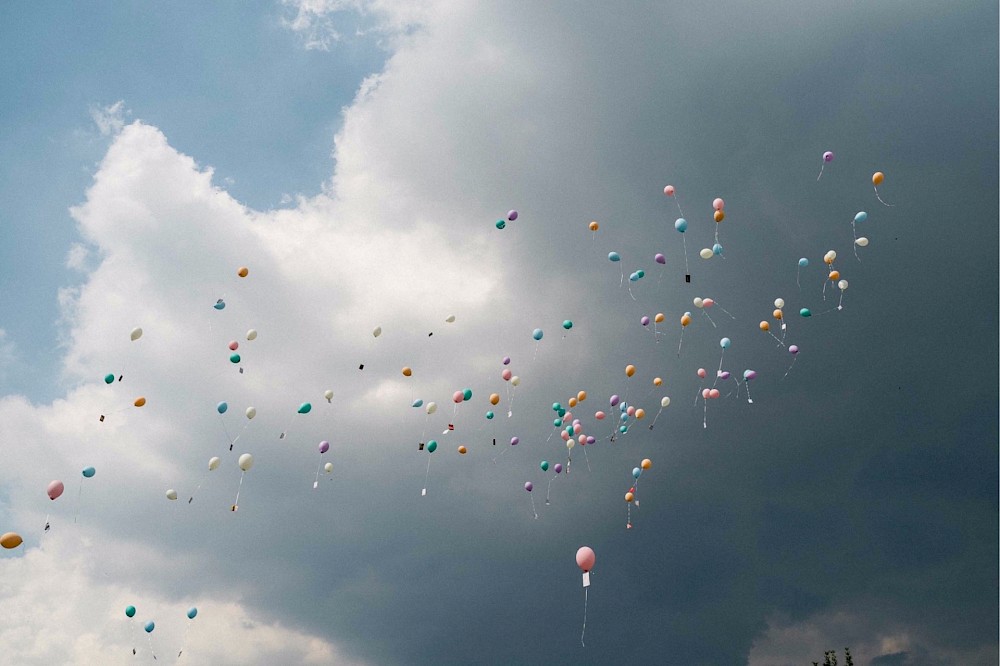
[229, 437]
[622, 280]
[855, 230]
[587, 458]
[628, 515]
[727, 312]
[749, 399]
[789, 368]
[779, 340]
[704, 423]
[549, 490]
[821, 166]
[709, 318]
[236, 504]
[840, 305]
[584, 631]
[533, 506]
[427, 475]
[825, 280]
[798, 271]
[78, 494]
[318, 468]
[880, 198]
[196, 489]
[687, 270]
[150, 637]
[680, 342]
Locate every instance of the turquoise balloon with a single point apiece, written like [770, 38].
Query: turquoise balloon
[681, 225]
[861, 217]
[556, 406]
[130, 611]
[803, 262]
[221, 407]
[614, 256]
[545, 465]
[717, 249]
[432, 446]
[556, 423]
[569, 430]
[89, 472]
[149, 627]
[636, 472]
[192, 612]
[234, 358]
[417, 403]
[109, 378]
[561, 412]
[220, 305]
[725, 342]
[501, 224]
[567, 324]
[623, 429]
[489, 415]
[467, 394]
[305, 408]
[634, 277]
[805, 312]
[537, 334]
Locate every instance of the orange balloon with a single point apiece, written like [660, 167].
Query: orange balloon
[494, 398]
[764, 326]
[640, 413]
[463, 450]
[685, 320]
[407, 372]
[646, 463]
[777, 314]
[139, 402]
[10, 540]
[594, 226]
[243, 272]
[834, 275]
[581, 396]
[657, 381]
[659, 318]
[629, 370]
[719, 216]
[877, 178]
[572, 402]
[629, 497]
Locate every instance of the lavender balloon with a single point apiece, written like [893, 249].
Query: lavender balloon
[324, 446]
[558, 468]
[614, 400]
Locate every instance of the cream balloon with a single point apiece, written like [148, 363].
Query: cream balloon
[136, 334]
[328, 394]
[377, 331]
[213, 463]
[779, 303]
[706, 253]
[664, 401]
[251, 412]
[450, 319]
[246, 462]
[252, 334]
[515, 381]
[171, 494]
[431, 407]
[861, 242]
[328, 468]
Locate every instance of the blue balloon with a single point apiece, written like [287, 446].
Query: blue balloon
[219, 304]
[634, 277]
[89, 472]
[192, 612]
[803, 262]
[537, 334]
[725, 342]
[221, 407]
[681, 224]
[417, 403]
[636, 472]
[149, 627]
[614, 256]
[861, 217]
[717, 249]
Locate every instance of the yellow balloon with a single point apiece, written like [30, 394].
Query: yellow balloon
[657, 381]
[877, 178]
[629, 370]
[494, 398]
[139, 402]
[10, 540]
[646, 463]
[834, 276]
[659, 318]
[640, 413]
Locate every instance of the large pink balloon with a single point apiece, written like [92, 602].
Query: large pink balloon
[718, 204]
[585, 558]
[55, 489]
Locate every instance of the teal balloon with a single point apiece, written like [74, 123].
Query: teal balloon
[561, 412]
[234, 358]
[623, 429]
[614, 256]
[803, 262]
[130, 611]
[570, 430]
[545, 465]
[501, 224]
[556, 423]
[305, 408]
[681, 225]
[149, 627]
[417, 403]
[109, 378]
[641, 273]
[805, 312]
[221, 407]
[556, 406]
[220, 305]
[537, 334]
[467, 394]
[489, 415]
[567, 324]
[717, 249]
[89, 472]
[192, 612]
[432, 446]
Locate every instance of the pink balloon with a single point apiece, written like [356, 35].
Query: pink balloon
[564, 435]
[705, 393]
[233, 346]
[707, 302]
[458, 397]
[702, 373]
[585, 558]
[582, 439]
[718, 204]
[793, 350]
[669, 190]
[506, 374]
[630, 410]
[55, 489]
[599, 416]
[714, 393]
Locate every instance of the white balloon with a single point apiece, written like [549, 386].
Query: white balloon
[698, 302]
[570, 443]
[862, 242]
[136, 333]
[328, 468]
[377, 331]
[779, 303]
[706, 253]
[328, 394]
[664, 401]
[830, 256]
[171, 494]
[431, 407]
[252, 334]
[251, 412]
[246, 462]
[515, 381]
[450, 319]
[213, 463]
[842, 284]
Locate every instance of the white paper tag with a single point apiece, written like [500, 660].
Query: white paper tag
[423, 492]
[315, 485]
[586, 579]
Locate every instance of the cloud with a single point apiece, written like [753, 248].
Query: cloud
[110, 119]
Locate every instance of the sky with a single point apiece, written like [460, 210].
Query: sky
[355, 156]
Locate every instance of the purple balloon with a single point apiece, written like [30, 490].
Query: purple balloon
[660, 259]
[724, 375]
[793, 350]
[324, 446]
[591, 439]
[828, 156]
[558, 468]
[511, 215]
[749, 374]
[644, 321]
[614, 400]
[514, 441]
[528, 486]
[506, 360]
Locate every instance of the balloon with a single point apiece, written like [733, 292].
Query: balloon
[149, 627]
[630, 410]
[717, 249]
[544, 465]
[450, 319]
[432, 446]
[723, 375]
[462, 450]
[725, 342]
[659, 258]
[89, 472]
[657, 381]
[506, 360]
[506, 374]
[861, 217]
[135, 334]
[640, 413]
[718, 204]
[706, 253]
[139, 402]
[581, 396]
[629, 370]
[558, 468]
[659, 318]
[251, 412]
[431, 407]
[407, 371]
[599, 416]
[246, 462]
[515, 381]
[243, 271]
[220, 305]
[669, 190]
[877, 178]
[707, 302]
[698, 302]
[328, 467]
[834, 276]
[567, 324]
[629, 496]
[466, 394]
[417, 403]
[537, 334]
[572, 402]
[862, 242]
[305, 408]
[514, 441]
[805, 312]
[803, 262]
[719, 216]
[11, 540]
[749, 374]
[490, 415]
[328, 394]
[234, 358]
[457, 397]
[685, 319]
[213, 463]
[377, 331]
[793, 350]
[585, 558]
[594, 226]
[644, 320]
[570, 444]
[777, 314]
[636, 472]
[252, 334]
[130, 611]
[324, 446]
[764, 326]
[842, 285]
[664, 401]
[55, 489]
[646, 463]
[233, 346]
[221, 407]
[614, 256]
[511, 215]
[501, 224]
[702, 373]
[828, 156]
[714, 393]
[528, 486]
[494, 398]
[109, 379]
[171, 494]
[830, 256]
[192, 612]
[681, 224]
[614, 400]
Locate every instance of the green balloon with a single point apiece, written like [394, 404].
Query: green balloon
[130, 611]
[501, 224]
[467, 394]
[109, 378]
[234, 358]
[432, 446]
[805, 312]
[489, 415]
[556, 423]
[545, 465]
[567, 324]
[641, 273]
[305, 408]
